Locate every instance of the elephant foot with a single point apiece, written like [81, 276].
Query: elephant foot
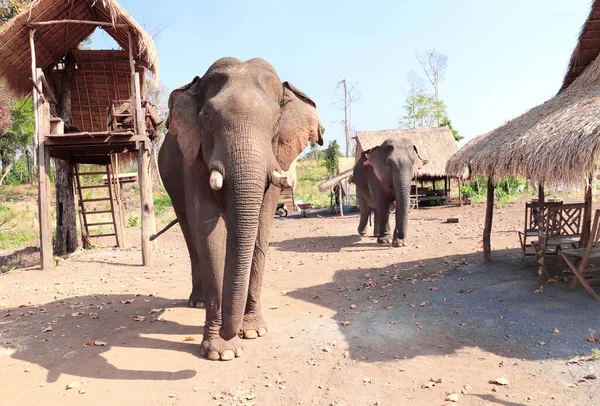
[254, 326]
[399, 243]
[362, 233]
[383, 240]
[215, 348]
[197, 298]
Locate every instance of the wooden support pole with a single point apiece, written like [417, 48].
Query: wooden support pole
[43, 128]
[460, 202]
[341, 203]
[98, 23]
[541, 235]
[489, 215]
[587, 211]
[146, 203]
[49, 90]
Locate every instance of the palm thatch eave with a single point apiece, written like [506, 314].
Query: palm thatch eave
[54, 41]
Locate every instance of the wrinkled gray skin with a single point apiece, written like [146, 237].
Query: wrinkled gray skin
[241, 121]
[383, 175]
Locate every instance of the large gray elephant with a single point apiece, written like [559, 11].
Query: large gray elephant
[230, 134]
[382, 175]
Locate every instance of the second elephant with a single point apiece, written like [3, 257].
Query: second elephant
[382, 175]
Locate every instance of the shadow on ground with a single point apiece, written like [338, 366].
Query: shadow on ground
[103, 318]
[439, 305]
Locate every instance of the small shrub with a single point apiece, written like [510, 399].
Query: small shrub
[133, 221]
[161, 202]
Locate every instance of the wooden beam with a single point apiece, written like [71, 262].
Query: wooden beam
[541, 235]
[340, 199]
[49, 90]
[489, 215]
[97, 23]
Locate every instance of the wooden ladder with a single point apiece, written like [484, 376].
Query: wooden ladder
[84, 213]
[414, 199]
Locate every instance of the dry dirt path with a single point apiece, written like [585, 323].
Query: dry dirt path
[350, 323]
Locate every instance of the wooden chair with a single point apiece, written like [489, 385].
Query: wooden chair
[578, 260]
[530, 230]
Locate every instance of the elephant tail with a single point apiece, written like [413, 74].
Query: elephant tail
[171, 224]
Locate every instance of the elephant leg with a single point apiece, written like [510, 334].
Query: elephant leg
[365, 212]
[196, 297]
[382, 219]
[254, 324]
[209, 234]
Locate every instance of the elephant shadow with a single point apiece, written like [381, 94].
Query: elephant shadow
[317, 244]
[422, 308]
[84, 336]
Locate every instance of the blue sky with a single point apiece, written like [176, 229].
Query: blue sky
[503, 57]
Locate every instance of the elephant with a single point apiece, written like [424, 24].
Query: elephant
[383, 175]
[230, 135]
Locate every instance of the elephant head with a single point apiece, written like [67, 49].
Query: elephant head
[244, 126]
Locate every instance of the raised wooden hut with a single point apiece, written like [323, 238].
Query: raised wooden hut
[555, 143]
[435, 144]
[88, 103]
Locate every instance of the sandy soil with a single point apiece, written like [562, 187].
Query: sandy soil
[351, 322]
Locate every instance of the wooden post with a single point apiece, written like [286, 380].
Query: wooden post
[541, 235]
[42, 127]
[340, 200]
[460, 190]
[489, 215]
[587, 211]
[119, 201]
[146, 203]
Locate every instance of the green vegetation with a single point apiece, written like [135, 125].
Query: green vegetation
[331, 157]
[10, 237]
[309, 173]
[161, 202]
[507, 190]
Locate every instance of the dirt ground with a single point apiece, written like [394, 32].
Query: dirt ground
[351, 322]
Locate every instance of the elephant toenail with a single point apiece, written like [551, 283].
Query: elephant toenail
[200, 305]
[213, 356]
[227, 355]
[250, 334]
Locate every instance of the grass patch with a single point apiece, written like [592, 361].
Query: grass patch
[309, 173]
[161, 202]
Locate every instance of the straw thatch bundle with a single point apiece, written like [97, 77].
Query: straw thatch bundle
[329, 183]
[57, 39]
[556, 142]
[435, 144]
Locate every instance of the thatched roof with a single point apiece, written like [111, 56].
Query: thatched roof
[54, 40]
[588, 46]
[556, 142]
[435, 144]
[329, 183]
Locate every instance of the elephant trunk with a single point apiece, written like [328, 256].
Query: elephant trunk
[246, 180]
[402, 188]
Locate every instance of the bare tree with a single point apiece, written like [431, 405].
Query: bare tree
[416, 87]
[346, 96]
[434, 64]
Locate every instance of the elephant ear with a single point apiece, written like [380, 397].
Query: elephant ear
[419, 162]
[183, 121]
[298, 125]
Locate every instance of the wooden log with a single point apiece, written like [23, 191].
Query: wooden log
[48, 90]
[341, 203]
[88, 22]
[541, 235]
[489, 215]
[452, 220]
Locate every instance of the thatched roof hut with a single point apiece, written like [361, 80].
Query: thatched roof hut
[89, 105]
[435, 144]
[53, 21]
[554, 143]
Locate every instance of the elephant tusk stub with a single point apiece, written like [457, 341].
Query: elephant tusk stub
[280, 180]
[216, 180]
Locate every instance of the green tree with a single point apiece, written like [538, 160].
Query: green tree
[331, 157]
[314, 151]
[16, 142]
[446, 122]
